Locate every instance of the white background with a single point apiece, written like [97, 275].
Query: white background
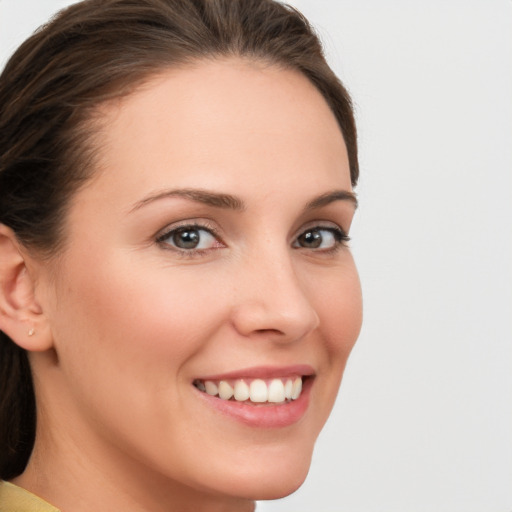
[424, 418]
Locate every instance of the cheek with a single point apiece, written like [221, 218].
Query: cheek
[339, 305]
[124, 335]
[148, 313]
[137, 322]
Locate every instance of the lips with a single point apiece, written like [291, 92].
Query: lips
[260, 397]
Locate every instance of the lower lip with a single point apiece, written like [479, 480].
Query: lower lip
[264, 415]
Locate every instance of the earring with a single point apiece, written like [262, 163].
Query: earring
[31, 331]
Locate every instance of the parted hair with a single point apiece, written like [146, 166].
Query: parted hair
[50, 93]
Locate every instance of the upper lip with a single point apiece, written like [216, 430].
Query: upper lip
[264, 372]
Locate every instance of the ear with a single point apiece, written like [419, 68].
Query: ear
[21, 316]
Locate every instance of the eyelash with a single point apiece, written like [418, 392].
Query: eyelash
[340, 237]
[187, 253]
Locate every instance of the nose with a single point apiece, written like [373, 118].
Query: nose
[272, 303]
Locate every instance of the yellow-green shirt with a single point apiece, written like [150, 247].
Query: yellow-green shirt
[16, 499]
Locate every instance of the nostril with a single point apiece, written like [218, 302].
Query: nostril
[269, 331]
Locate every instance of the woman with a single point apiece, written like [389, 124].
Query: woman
[177, 294]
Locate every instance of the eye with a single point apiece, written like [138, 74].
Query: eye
[321, 238]
[190, 238]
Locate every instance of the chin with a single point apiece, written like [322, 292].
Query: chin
[269, 479]
[280, 488]
[270, 488]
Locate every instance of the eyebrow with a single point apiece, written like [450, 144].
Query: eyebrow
[214, 199]
[331, 197]
[230, 202]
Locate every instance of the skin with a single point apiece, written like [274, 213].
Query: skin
[126, 323]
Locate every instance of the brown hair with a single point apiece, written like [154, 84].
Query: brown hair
[51, 88]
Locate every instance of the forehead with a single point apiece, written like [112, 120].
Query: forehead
[224, 119]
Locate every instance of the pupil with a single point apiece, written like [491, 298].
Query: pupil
[311, 239]
[186, 238]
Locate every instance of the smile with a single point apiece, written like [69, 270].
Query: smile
[259, 397]
[259, 391]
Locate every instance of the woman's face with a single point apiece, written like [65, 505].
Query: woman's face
[207, 253]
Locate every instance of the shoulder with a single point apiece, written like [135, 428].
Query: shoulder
[16, 499]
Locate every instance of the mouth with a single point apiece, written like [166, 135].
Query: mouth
[278, 390]
[260, 397]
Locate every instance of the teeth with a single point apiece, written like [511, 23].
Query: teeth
[297, 388]
[242, 392]
[288, 388]
[257, 391]
[225, 390]
[211, 388]
[276, 391]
